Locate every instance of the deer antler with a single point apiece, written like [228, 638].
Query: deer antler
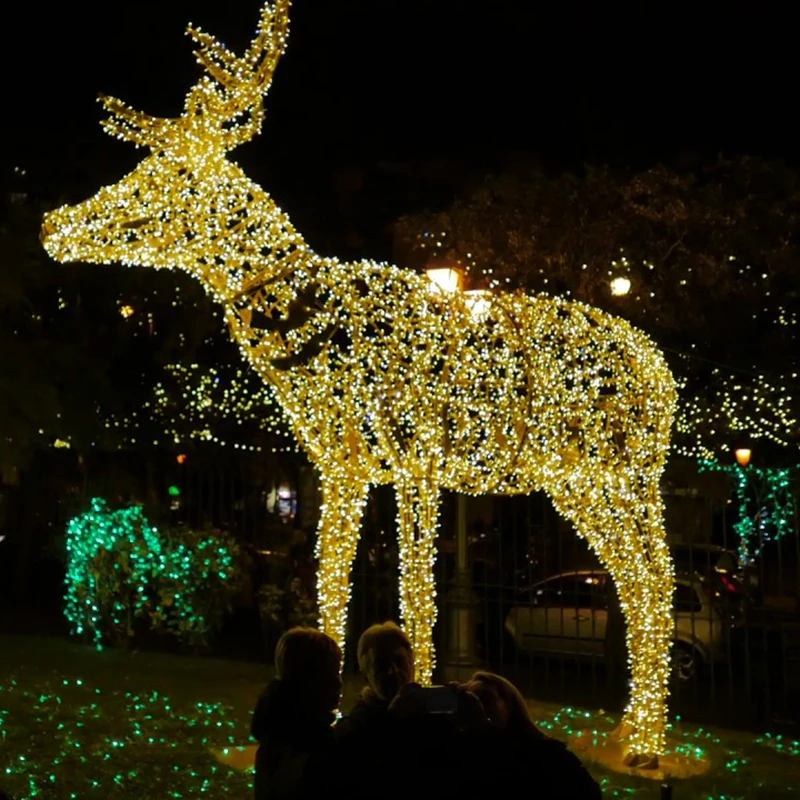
[134, 126]
[245, 80]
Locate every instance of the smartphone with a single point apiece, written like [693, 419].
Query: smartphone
[436, 699]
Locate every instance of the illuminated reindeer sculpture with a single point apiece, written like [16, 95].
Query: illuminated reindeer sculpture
[386, 379]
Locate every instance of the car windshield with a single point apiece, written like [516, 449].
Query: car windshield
[700, 560]
[571, 590]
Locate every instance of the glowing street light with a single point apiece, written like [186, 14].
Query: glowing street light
[743, 456]
[449, 278]
[620, 286]
[445, 279]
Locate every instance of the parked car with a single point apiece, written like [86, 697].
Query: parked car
[737, 585]
[567, 615]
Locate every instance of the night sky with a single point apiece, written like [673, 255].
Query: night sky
[381, 107]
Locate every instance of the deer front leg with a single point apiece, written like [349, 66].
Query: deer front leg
[417, 512]
[343, 499]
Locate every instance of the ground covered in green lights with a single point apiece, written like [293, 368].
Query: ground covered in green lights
[75, 723]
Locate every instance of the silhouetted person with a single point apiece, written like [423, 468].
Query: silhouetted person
[516, 753]
[293, 719]
[386, 661]
[438, 743]
[364, 758]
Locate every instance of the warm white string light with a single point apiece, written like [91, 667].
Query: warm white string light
[385, 381]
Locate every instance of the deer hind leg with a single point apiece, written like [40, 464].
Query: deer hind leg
[417, 514]
[343, 500]
[625, 529]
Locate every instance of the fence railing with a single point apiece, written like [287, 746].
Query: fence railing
[543, 613]
[536, 606]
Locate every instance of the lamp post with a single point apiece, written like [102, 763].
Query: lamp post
[447, 279]
[620, 286]
[743, 455]
[461, 603]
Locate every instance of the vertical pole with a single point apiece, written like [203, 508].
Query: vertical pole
[462, 564]
[461, 658]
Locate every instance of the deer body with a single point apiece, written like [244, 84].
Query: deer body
[385, 380]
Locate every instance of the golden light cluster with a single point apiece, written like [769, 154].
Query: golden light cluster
[754, 405]
[190, 404]
[386, 381]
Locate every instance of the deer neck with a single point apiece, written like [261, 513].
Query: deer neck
[260, 270]
[258, 247]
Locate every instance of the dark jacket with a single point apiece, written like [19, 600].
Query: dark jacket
[379, 753]
[288, 733]
[368, 717]
[363, 755]
[530, 758]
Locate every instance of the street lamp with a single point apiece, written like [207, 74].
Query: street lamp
[447, 276]
[447, 279]
[478, 302]
[743, 455]
[620, 286]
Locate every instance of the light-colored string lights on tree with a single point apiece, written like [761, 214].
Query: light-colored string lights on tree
[735, 402]
[188, 405]
[386, 379]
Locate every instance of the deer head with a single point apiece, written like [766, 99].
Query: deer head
[186, 205]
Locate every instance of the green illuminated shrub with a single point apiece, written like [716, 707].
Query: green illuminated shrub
[112, 560]
[124, 574]
[197, 583]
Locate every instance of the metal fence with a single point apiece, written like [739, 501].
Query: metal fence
[544, 619]
[533, 605]
[541, 604]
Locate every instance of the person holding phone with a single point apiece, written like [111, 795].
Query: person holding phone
[386, 660]
[368, 754]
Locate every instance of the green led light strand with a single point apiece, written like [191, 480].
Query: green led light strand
[70, 740]
[111, 558]
[121, 570]
[767, 505]
[196, 580]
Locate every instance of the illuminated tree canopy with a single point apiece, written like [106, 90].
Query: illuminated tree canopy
[385, 378]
